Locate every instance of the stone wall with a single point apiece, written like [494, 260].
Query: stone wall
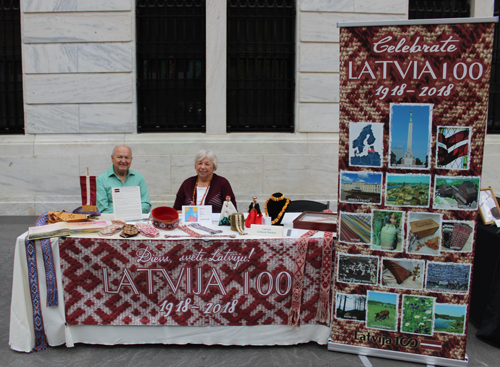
[80, 101]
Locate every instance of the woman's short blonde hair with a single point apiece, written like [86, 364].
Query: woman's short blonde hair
[204, 153]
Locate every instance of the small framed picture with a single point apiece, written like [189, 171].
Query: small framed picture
[488, 206]
[316, 221]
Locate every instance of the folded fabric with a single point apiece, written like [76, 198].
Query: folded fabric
[147, 230]
[397, 270]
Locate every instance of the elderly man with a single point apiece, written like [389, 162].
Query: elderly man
[120, 175]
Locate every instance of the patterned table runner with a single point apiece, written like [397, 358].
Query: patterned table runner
[187, 282]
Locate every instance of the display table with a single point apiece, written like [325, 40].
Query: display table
[247, 325]
[485, 298]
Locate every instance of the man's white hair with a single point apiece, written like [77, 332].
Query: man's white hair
[112, 154]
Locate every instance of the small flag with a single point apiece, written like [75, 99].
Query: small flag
[88, 188]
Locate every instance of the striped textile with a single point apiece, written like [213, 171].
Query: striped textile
[50, 278]
[355, 228]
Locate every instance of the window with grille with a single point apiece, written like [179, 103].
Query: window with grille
[425, 9]
[430, 9]
[260, 65]
[11, 81]
[170, 65]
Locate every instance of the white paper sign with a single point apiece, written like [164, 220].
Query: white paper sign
[265, 231]
[267, 220]
[197, 214]
[127, 203]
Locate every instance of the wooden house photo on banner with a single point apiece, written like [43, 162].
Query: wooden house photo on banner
[413, 109]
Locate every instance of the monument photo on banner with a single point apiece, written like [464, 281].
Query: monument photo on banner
[413, 109]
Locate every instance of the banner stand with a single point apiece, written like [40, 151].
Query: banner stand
[402, 356]
[413, 107]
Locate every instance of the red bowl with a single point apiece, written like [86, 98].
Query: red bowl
[165, 217]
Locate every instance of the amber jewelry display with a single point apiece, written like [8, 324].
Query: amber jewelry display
[277, 197]
[278, 218]
[273, 198]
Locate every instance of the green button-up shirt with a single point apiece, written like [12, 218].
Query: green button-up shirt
[107, 180]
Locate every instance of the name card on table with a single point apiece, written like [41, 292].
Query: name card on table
[265, 231]
[197, 214]
[127, 203]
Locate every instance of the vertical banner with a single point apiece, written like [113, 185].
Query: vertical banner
[413, 108]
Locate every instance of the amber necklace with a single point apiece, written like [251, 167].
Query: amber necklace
[205, 194]
[277, 219]
[273, 198]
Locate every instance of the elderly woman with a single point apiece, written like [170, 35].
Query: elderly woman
[206, 188]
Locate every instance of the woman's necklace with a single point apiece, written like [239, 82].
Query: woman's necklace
[277, 219]
[205, 194]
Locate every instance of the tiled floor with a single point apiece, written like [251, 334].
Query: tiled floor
[312, 354]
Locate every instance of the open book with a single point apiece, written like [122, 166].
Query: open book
[64, 229]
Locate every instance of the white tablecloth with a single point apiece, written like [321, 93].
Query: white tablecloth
[22, 335]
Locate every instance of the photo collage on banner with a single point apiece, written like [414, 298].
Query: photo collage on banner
[413, 104]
